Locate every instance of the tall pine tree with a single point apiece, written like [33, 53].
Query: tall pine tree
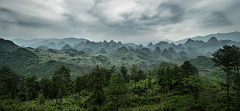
[134, 72]
[124, 71]
[78, 84]
[225, 60]
[32, 87]
[98, 96]
[117, 91]
[61, 79]
[168, 77]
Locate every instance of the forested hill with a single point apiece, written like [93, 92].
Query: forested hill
[174, 87]
[27, 63]
[33, 61]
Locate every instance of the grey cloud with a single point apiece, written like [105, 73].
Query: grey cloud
[176, 10]
[11, 18]
[145, 23]
[93, 18]
[7, 15]
[34, 24]
[216, 19]
[5, 10]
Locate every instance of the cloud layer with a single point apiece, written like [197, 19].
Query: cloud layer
[136, 21]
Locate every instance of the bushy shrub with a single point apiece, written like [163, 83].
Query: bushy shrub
[167, 107]
[84, 93]
[41, 98]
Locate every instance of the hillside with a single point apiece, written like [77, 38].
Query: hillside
[139, 78]
[26, 61]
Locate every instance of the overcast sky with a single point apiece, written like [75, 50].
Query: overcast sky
[135, 21]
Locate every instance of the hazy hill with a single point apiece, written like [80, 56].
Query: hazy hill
[234, 36]
[66, 47]
[60, 45]
[32, 61]
[37, 42]
[7, 45]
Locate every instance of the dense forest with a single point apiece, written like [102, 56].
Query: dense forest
[166, 87]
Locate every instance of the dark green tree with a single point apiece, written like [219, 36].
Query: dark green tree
[141, 75]
[176, 72]
[237, 77]
[61, 79]
[236, 58]
[124, 71]
[46, 87]
[109, 74]
[98, 96]
[6, 74]
[32, 87]
[10, 82]
[117, 91]
[14, 83]
[168, 78]
[195, 84]
[188, 69]
[78, 84]
[160, 74]
[149, 79]
[134, 72]
[225, 60]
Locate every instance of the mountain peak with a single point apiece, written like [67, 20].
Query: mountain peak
[62, 42]
[213, 40]
[102, 51]
[189, 40]
[150, 44]
[66, 47]
[122, 50]
[157, 50]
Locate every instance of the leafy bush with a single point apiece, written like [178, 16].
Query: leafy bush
[84, 93]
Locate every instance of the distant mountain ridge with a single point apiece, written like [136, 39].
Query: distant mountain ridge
[204, 45]
[89, 54]
[37, 42]
[234, 36]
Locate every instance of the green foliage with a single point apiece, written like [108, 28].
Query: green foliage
[41, 98]
[124, 71]
[46, 85]
[18, 58]
[10, 82]
[78, 84]
[116, 91]
[84, 93]
[32, 87]
[202, 62]
[61, 79]
[188, 69]
[97, 81]
[149, 79]
[226, 59]
[217, 80]
[195, 85]
[167, 107]
[161, 66]
[103, 89]
[167, 78]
